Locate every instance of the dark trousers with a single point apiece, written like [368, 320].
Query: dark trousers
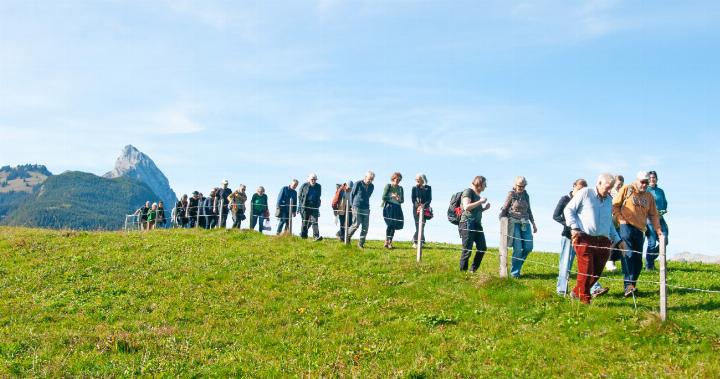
[223, 218]
[308, 219]
[417, 227]
[653, 243]
[237, 219]
[389, 233]
[471, 233]
[592, 253]
[632, 258]
[283, 223]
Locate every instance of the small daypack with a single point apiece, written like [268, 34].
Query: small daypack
[454, 209]
[336, 198]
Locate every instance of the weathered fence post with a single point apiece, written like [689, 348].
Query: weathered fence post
[504, 233]
[421, 221]
[663, 280]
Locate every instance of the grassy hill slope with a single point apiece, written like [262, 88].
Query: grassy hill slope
[228, 303]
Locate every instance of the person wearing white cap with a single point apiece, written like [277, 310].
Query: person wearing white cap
[632, 207]
[221, 202]
[517, 209]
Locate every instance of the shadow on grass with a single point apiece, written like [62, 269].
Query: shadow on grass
[706, 306]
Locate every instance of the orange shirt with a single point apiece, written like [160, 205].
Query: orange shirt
[633, 207]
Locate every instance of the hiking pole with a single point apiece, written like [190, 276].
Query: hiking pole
[663, 281]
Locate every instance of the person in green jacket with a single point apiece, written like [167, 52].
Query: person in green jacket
[393, 197]
[152, 216]
[258, 208]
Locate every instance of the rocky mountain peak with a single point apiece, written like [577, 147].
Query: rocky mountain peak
[134, 164]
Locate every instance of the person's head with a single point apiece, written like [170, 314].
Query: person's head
[619, 182]
[241, 188]
[161, 204]
[224, 183]
[369, 177]
[420, 180]
[348, 186]
[213, 191]
[652, 177]
[293, 184]
[520, 184]
[578, 185]
[396, 178]
[196, 194]
[184, 197]
[642, 180]
[154, 206]
[147, 204]
[478, 184]
[312, 179]
[260, 190]
[604, 184]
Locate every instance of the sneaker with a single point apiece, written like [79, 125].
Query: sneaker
[599, 292]
[610, 266]
[318, 239]
[629, 290]
[390, 246]
[361, 245]
[414, 245]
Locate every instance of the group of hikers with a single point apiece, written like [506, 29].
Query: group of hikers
[601, 224]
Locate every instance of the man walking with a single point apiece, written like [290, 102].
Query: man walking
[360, 202]
[589, 216]
[309, 206]
[284, 212]
[632, 207]
[221, 205]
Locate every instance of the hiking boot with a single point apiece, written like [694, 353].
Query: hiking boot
[599, 292]
[317, 239]
[629, 290]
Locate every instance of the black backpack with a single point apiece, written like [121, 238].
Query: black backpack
[454, 209]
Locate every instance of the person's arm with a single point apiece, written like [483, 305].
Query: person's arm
[429, 196]
[654, 216]
[470, 206]
[414, 197]
[506, 205]
[386, 194]
[559, 209]
[280, 197]
[530, 215]
[572, 218]
[402, 196]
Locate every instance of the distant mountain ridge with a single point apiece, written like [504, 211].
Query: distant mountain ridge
[134, 164]
[79, 200]
[18, 183]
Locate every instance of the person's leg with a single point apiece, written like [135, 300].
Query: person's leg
[417, 224]
[356, 223]
[365, 227]
[341, 233]
[315, 226]
[261, 220]
[517, 258]
[466, 246]
[600, 256]
[637, 263]
[527, 240]
[582, 286]
[567, 256]
[478, 238]
[625, 235]
[305, 216]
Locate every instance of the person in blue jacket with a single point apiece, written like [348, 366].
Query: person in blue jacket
[653, 244]
[284, 211]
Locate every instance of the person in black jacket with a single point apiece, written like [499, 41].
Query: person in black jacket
[160, 220]
[181, 219]
[567, 253]
[309, 206]
[421, 198]
[221, 204]
[193, 209]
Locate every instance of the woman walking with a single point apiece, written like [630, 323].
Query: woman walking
[259, 205]
[470, 226]
[236, 205]
[517, 209]
[421, 198]
[392, 198]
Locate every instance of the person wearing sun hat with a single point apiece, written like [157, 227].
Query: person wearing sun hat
[632, 207]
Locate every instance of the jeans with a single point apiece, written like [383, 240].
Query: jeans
[592, 254]
[309, 217]
[653, 243]
[522, 245]
[257, 219]
[237, 219]
[283, 223]
[632, 264]
[362, 222]
[471, 234]
[417, 227]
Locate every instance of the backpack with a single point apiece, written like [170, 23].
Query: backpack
[454, 209]
[336, 198]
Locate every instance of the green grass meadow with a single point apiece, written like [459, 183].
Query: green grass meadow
[196, 303]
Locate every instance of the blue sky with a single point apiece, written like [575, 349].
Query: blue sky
[261, 92]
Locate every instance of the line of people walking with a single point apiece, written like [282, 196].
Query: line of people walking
[600, 224]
